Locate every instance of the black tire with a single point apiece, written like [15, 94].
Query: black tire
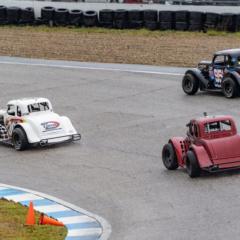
[192, 165]
[3, 14]
[190, 84]
[106, 15]
[150, 15]
[120, 18]
[181, 16]
[47, 13]
[75, 17]
[19, 139]
[13, 15]
[165, 25]
[166, 16]
[61, 17]
[229, 87]
[181, 26]
[151, 25]
[27, 16]
[169, 157]
[90, 19]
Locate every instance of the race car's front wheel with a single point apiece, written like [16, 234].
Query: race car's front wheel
[192, 165]
[190, 84]
[169, 157]
[19, 139]
[229, 88]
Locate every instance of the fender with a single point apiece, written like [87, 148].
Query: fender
[234, 75]
[31, 135]
[65, 121]
[202, 156]
[177, 142]
[197, 73]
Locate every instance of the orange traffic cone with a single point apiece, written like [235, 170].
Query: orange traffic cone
[44, 220]
[30, 220]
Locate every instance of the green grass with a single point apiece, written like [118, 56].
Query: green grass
[140, 32]
[12, 220]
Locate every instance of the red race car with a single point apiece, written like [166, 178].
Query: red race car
[212, 144]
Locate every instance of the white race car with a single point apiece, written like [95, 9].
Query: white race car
[31, 122]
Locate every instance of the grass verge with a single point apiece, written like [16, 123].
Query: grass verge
[12, 219]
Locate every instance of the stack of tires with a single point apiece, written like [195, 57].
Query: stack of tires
[13, 15]
[227, 22]
[3, 15]
[47, 15]
[196, 21]
[27, 16]
[135, 19]
[150, 19]
[61, 17]
[106, 18]
[181, 20]
[166, 20]
[90, 19]
[120, 18]
[75, 17]
[211, 21]
[237, 22]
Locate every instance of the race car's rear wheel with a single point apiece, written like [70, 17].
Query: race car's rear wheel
[19, 139]
[190, 84]
[169, 157]
[229, 88]
[192, 165]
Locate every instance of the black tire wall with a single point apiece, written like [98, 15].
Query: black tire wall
[123, 19]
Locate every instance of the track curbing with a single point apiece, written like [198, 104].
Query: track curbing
[79, 222]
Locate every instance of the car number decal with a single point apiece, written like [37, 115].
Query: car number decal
[218, 74]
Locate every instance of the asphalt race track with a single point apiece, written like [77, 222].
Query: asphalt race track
[116, 170]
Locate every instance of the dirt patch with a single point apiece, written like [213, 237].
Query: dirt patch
[114, 46]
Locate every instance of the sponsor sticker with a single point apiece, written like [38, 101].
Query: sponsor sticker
[51, 125]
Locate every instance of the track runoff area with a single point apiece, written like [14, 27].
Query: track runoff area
[125, 114]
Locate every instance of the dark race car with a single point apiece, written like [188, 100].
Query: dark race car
[222, 74]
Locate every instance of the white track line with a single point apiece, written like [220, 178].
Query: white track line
[84, 232]
[23, 197]
[76, 219]
[51, 208]
[91, 68]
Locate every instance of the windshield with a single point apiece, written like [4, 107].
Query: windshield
[38, 107]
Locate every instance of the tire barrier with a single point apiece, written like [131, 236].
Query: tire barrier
[76, 17]
[120, 18]
[61, 17]
[47, 14]
[3, 15]
[150, 19]
[181, 20]
[27, 16]
[106, 18]
[90, 19]
[196, 20]
[135, 19]
[123, 19]
[166, 20]
[211, 21]
[13, 15]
